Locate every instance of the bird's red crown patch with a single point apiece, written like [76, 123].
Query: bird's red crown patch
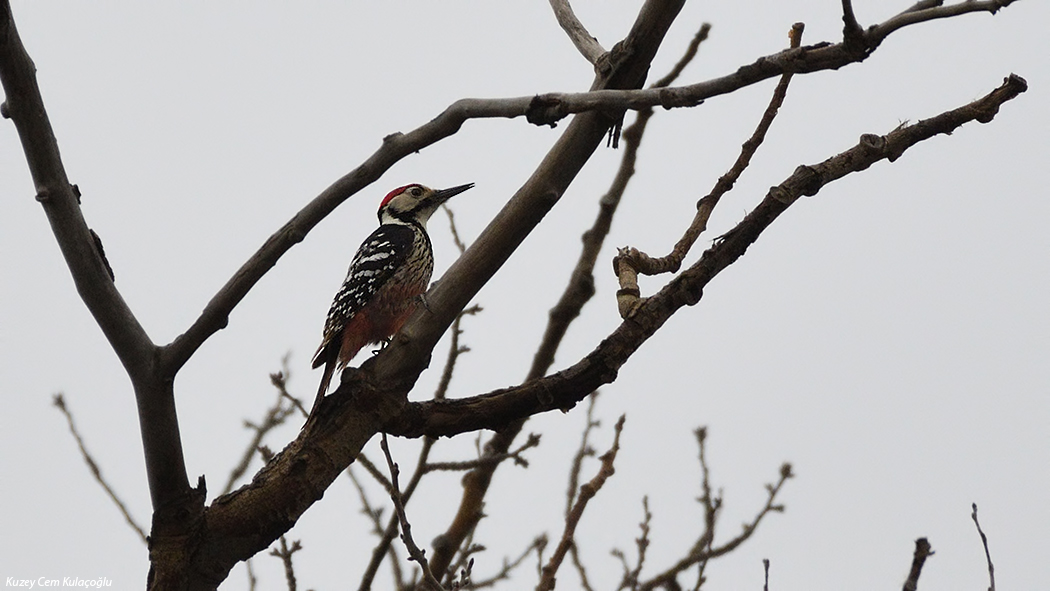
[395, 193]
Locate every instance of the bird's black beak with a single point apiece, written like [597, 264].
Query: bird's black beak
[444, 195]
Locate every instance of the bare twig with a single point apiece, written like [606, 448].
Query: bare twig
[712, 506]
[460, 245]
[925, 11]
[987, 554]
[464, 580]
[375, 514]
[510, 565]
[922, 551]
[574, 554]
[454, 351]
[765, 568]
[584, 41]
[587, 492]
[374, 472]
[686, 59]
[583, 451]
[285, 552]
[704, 549]
[274, 417]
[251, 575]
[464, 558]
[414, 552]
[488, 459]
[631, 575]
[749, 528]
[60, 403]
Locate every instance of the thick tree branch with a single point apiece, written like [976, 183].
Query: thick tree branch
[158, 422]
[61, 202]
[564, 389]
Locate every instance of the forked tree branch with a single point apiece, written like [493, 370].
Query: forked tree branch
[545, 109]
[630, 261]
[414, 552]
[566, 388]
[81, 248]
[572, 519]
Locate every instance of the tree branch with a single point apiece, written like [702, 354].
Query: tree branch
[704, 549]
[630, 261]
[165, 465]
[61, 202]
[406, 529]
[922, 551]
[60, 403]
[584, 41]
[572, 519]
[546, 109]
[275, 416]
[564, 389]
[284, 553]
[987, 554]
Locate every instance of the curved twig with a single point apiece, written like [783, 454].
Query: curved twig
[631, 261]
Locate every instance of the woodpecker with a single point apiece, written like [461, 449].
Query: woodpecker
[386, 279]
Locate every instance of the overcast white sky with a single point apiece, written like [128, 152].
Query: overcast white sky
[889, 337]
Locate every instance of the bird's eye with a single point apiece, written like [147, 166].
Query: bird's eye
[416, 191]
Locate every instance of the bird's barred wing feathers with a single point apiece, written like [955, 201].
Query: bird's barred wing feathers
[376, 261]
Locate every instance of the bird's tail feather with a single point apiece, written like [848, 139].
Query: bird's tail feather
[326, 379]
